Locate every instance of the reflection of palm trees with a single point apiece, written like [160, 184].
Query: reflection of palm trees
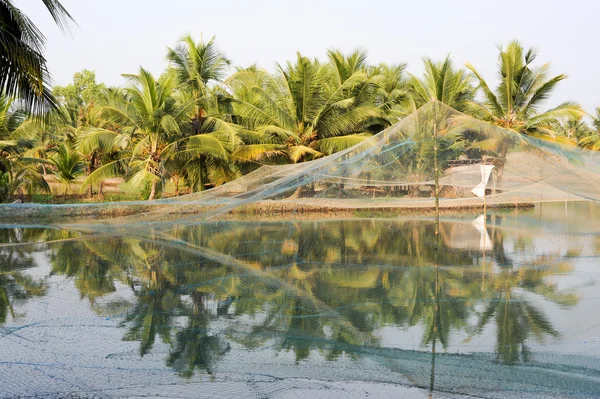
[151, 316]
[158, 301]
[517, 318]
[81, 260]
[14, 259]
[194, 348]
[307, 286]
[16, 286]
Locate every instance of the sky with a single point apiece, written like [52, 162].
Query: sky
[115, 37]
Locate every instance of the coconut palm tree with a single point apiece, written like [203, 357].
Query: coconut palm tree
[68, 165]
[159, 130]
[100, 146]
[18, 167]
[442, 82]
[150, 116]
[515, 104]
[392, 95]
[344, 66]
[197, 66]
[23, 71]
[591, 139]
[304, 111]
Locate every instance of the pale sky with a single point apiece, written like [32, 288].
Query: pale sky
[116, 37]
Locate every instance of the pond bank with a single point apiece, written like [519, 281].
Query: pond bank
[314, 208]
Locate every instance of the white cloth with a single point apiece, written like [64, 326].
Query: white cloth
[486, 171]
[485, 242]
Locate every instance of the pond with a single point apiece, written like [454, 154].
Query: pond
[494, 306]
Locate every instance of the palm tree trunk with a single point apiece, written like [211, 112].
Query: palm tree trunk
[202, 175]
[153, 190]
[500, 166]
[91, 170]
[503, 154]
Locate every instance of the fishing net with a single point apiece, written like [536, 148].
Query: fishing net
[475, 164]
[330, 278]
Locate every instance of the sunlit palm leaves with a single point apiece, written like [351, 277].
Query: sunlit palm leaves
[18, 166]
[307, 109]
[23, 71]
[203, 157]
[152, 118]
[444, 83]
[68, 165]
[516, 102]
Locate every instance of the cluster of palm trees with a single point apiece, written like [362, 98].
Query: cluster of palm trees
[196, 127]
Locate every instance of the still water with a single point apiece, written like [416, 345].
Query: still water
[500, 305]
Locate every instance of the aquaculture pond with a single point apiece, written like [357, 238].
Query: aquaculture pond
[497, 305]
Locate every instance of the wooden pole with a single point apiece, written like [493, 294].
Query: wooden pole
[437, 248]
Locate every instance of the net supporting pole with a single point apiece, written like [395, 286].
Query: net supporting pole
[436, 190]
[437, 249]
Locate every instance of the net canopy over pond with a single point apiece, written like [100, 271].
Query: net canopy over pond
[475, 163]
[164, 298]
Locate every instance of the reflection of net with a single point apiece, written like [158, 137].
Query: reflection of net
[393, 169]
[269, 309]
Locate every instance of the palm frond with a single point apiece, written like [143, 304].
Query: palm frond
[257, 152]
[300, 151]
[106, 171]
[332, 145]
[495, 107]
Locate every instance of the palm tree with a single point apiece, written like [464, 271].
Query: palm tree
[515, 103]
[156, 124]
[444, 83]
[151, 117]
[198, 67]
[23, 71]
[591, 140]
[306, 110]
[100, 146]
[392, 92]
[345, 66]
[68, 166]
[18, 168]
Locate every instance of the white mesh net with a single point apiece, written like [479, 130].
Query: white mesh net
[183, 297]
[477, 165]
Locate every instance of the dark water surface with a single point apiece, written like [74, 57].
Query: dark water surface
[507, 307]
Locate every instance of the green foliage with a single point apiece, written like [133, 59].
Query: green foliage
[4, 186]
[444, 83]
[83, 92]
[68, 165]
[146, 190]
[516, 102]
[308, 102]
[23, 72]
[199, 128]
